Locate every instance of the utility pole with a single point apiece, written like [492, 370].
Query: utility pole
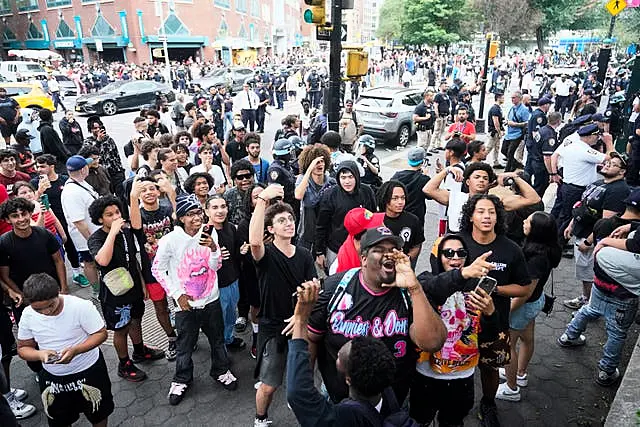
[162, 35]
[484, 82]
[333, 94]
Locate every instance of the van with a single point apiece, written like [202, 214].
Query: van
[18, 71]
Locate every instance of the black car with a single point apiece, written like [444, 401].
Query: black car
[123, 95]
[218, 77]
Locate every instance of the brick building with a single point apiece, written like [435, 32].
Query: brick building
[133, 30]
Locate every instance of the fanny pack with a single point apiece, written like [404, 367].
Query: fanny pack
[119, 280]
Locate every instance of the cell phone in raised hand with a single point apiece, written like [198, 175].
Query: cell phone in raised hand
[487, 284]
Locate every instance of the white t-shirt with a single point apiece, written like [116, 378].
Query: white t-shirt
[215, 172]
[76, 198]
[78, 319]
[563, 88]
[457, 199]
[579, 163]
[449, 183]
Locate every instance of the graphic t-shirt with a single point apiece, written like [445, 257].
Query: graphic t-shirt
[155, 224]
[360, 311]
[407, 226]
[511, 269]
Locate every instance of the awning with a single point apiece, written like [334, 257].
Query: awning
[255, 44]
[41, 55]
[234, 43]
[67, 43]
[178, 41]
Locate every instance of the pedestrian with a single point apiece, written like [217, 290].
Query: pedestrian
[369, 161]
[242, 174]
[208, 166]
[543, 145]
[9, 116]
[109, 155]
[247, 102]
[98, 176]
[42, 215]
[562, 88]
[424, 117]
[9, 174]
[260, 165]
[71, 130]
[54, 91]
[414, 179]
[517, 120]
[185, 265]
[121, 293]
[280, 173]
[64, 333]
[264, 99]
[169, 165]
[495, 124]
[26, 161]
[443, 112]
[51, 142]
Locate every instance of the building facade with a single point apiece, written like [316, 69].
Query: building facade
[235, 31]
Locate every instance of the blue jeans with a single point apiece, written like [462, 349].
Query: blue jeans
[618, 314]
[229, 296]
[228, 122]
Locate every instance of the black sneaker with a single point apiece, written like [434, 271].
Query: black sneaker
[130, 372]
[171, 352]
[177, 392]
[605, 379]
[236, 345]
[488, 415]
[148, 355]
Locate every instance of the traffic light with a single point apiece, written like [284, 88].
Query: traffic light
[357, 63]
[315, 14]
[493, 49]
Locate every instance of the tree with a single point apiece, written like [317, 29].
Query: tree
[390, 23]
[435, 22]
[502, 18]
[561, 14]
[627, 26]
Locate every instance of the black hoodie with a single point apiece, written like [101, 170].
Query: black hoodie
[414, 180]
[334, 205]
[52, 144]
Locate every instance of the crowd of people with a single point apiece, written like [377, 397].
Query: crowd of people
[314, 252]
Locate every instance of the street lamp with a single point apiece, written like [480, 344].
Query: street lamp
[162, 36]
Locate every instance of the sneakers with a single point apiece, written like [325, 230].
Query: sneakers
[228, 381]
[148, 355]
[565, 341]
[604, 379]
[576, 303]
[521, 380]
[488, 415]
[171, 352]
[130, 372]
[236, 345]
[19, 394]
[261, 423]
[254, 352]
[81, 280]
[176, 393]
[241, 324]
[20, 410]
[506, 393]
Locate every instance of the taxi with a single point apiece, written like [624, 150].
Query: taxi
[29, 95]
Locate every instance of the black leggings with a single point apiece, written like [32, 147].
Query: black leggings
[450, 399]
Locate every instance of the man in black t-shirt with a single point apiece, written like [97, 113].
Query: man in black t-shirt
[482, 229]
[494, 123]
[424, 116]
[121, 292]
[414, 179]
[443, 111]
[281, 267]
[384, 300]
[9, 112]
[602, 199]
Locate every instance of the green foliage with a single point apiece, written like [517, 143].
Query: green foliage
[436, 22]
[627, 26]
[391, 16]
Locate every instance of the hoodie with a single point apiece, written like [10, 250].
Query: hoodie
[334, 205]
[32, 126]
[414, 180]
[71, 135]
[52, 144]
[184, 267]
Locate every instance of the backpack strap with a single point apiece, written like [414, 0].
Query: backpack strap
[341, 288]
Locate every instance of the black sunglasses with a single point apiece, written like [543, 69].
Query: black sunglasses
[244, 176]
[449, 253]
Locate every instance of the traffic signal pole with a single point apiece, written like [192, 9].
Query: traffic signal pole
[483, 85]
[333, 94]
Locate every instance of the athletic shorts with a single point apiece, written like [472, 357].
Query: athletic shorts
[273, 361]
[118, 317]
[496, 354]
[8, 129]
[156, 292]
[85, 256]
[68, 400]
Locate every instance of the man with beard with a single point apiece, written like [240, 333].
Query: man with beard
[242, 175]
[109, 156]
[384, 300]
[462, 128]
[260, 165]
[154, 127]
[424, 116]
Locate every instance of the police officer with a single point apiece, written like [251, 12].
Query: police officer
[279, 172]
[539, 156]
[298, 145]
[621, 82]
[369, 161]
[614, 114]
[424, 116]
[588, 104]
[216, 102]
[261, 111]
[593, 84]
[579, 170]
[535, 162]
[280, 86]
[313, 88]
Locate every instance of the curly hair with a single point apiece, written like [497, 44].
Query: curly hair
[241, 165]
[177, 136]
[466, 219]
[98, 206]
[275, 209]
[479, 166]
[14, 205]
[383, 196]
[247, 202]
[370, 366]
[190, 182]
[310, 152]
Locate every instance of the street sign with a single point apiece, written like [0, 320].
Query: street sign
[162, 38]
[99, 47]
[323, 33]
[615, 6]
[343, 34]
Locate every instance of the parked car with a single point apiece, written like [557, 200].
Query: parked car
[67, 86]
[218, 77]
[29, 95]
[123, 95]
[386, 113]
[18, 71]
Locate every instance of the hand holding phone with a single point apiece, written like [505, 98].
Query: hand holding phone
[487, 284]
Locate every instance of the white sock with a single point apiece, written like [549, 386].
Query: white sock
[255, 327]
[77, 270]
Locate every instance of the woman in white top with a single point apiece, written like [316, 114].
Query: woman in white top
[64, 333]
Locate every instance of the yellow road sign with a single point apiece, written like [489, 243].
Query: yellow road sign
[615, 6]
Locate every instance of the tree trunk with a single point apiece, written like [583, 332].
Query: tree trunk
[540, 39]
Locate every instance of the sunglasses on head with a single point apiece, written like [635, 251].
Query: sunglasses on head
[449, 253]
[244, 176]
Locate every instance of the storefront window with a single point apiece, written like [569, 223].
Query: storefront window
[5, 7]
[34, 33]
[57, 3]
[64, 30]
[102, 28]
[27, 5]
[241, 6]
[223, 3]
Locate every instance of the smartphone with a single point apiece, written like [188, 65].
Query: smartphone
[487, 284]
[53, 358]
[44, 200]
[206, 229]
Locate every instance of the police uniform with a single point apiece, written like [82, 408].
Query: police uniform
[280, 173]
[261, 111]
[546, 142]
[314, 89]
[579, 170]
[279, 84]
[216, 108]
[424, 129]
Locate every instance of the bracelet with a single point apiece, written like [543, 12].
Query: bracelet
[552, 174]
[264, 200]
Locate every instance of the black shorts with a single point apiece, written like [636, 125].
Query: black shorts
[8, 129]
[119, 316]
[496, 354]
[7, 340]
[68, 400]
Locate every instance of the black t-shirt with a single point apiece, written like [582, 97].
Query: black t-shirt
[415, 181]
[444, 103]
[229, 271]
[54, 194]
[600, 197]
[8, 109]
[155, 224]
[386, 315]
[494, 111]
[539, 268]
[279, 277]
[118, 259]
[236, 151]
[407, 226]
[27, 256]
[422, 110]
[511, 269]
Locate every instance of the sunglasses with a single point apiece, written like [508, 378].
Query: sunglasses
[450, 253]
[243, 176]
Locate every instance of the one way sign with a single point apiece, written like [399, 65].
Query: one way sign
[343, 34]
[324, 33]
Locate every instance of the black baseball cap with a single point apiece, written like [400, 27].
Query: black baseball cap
[373, 236]
[633, 199]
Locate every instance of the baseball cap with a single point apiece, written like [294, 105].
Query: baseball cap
[544, 101]
[24, 134]
[373, 236]
[589, 92]
[590, 129]
[358, 220]
[633, 198]
[416, 156]
[237, 125]
[599, 117]
[75, 163]
[623, 157]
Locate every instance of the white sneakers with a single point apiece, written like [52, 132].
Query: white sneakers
[20, 410]
[261, 423]
[521, 380]
[506, 393]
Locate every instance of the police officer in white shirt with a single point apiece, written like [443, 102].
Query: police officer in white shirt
[247, 101]
[579, 170]
[561, 90]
